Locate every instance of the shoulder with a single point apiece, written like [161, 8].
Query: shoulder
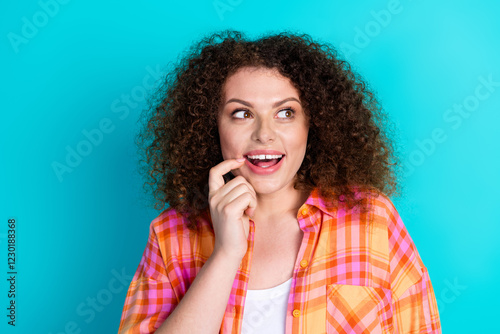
[403, 253]
[381, 205]
[169, 220]
[171, 225]
[381, 211]
[376, 202]
[371, 205]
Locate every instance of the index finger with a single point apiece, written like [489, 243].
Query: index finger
[215, 179]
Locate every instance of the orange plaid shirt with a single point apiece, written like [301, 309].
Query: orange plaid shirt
[354, 273]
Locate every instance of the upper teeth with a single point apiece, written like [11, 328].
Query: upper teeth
[265, 156]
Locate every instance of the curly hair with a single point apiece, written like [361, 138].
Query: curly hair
[348, 144]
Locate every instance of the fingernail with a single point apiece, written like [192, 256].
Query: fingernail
[240, 159]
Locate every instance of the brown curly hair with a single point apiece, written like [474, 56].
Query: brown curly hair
[348, 145]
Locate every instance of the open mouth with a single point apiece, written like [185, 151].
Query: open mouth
[264, 160]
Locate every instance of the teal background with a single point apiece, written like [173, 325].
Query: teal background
[75, 234]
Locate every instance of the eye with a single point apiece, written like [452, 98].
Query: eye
[242, 114]
[285, 113]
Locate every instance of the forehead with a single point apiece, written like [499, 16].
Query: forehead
[258, 83]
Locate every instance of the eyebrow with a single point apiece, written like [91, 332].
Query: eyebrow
[277, 104]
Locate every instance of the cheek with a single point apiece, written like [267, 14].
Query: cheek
[303, 135]
[298, 146]
[299, 139]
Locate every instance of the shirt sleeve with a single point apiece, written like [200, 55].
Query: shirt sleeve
[150, 297]
[414, 304]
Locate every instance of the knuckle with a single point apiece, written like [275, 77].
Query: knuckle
[249, 197]
[240, 187]
[239, 179]
[227, 210]
[249, 187]
[249, 190]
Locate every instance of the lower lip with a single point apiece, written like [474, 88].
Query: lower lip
[264, 171]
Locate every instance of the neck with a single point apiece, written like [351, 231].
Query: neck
[284, 203]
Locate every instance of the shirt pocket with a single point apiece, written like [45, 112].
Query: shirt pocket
[357, 309]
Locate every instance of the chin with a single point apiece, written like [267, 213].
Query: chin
[265, 188]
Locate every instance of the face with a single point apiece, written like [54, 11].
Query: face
[262, 120]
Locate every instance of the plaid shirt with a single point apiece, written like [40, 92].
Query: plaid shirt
[354, 273]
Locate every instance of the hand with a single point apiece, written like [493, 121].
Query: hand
[231, 204]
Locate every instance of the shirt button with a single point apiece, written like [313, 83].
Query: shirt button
[296, 313]
[303, 263]
[303, 211]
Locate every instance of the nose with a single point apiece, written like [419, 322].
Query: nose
[264, 131]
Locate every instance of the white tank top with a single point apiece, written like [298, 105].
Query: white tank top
[265, 310]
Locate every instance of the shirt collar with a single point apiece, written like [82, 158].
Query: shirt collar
[315, 204]
[316, 200]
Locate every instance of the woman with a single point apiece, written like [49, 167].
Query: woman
[273, 157]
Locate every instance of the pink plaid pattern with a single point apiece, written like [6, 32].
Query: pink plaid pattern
[355, 273]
